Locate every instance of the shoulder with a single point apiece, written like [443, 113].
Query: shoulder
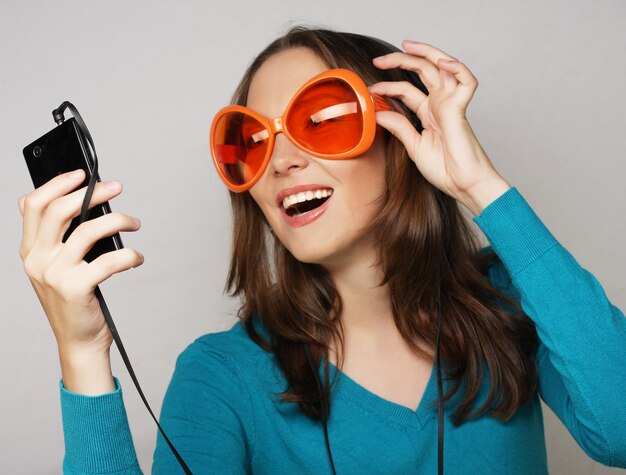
[230, 350]
[211, 401]
[233, 342]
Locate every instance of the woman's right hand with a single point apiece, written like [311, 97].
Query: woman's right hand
[63, 281]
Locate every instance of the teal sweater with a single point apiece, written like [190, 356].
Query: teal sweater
[220, 412]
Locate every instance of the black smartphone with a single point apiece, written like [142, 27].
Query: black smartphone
[62, 150]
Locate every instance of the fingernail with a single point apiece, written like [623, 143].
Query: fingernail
[77, 173]
[137, 221]
[411, 42]
[113, 185]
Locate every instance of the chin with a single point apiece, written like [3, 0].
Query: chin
[308, 256]
[327, 251]
[312, 245]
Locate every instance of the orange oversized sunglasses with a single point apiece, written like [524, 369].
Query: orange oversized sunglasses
[332, 116]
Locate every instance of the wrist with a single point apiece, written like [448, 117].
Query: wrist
[484, 193]
[86, 372]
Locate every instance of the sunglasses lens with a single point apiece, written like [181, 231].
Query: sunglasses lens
[327, 118]
[239, 143]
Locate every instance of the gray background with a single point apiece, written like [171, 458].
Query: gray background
[550, 112]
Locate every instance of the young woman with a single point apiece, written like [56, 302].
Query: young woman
[355, 265]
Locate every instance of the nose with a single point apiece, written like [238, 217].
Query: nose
[286, 157]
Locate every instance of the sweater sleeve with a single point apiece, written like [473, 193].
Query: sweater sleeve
[207, 414]
[97, 434]
[582, 352]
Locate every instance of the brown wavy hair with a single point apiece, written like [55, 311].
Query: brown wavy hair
[422, 233]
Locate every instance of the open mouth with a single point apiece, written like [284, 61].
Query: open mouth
[303, 202]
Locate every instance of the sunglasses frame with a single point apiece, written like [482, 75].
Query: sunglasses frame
[369, 105]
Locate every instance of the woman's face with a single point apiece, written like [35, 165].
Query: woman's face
[334, 237]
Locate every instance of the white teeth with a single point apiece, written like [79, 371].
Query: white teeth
[305, 196]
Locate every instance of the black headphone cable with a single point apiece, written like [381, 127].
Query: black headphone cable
[58, 118]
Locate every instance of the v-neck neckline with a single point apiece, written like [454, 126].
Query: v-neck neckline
[353, 393]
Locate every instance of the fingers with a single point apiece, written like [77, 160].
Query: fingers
[436, 69]
[57, 217]
[34, 204]
[109, 263]
[403, 90]
[401, 128]
[88, 233]
[425, 50]
[428, 72]
[455, 75]
[467, 82]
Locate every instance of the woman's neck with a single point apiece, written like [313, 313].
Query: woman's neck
[366, 305]
[366, 316]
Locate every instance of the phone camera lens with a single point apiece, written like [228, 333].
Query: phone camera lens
[37, 151]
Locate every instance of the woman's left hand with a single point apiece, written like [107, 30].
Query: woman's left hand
[447, 153]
